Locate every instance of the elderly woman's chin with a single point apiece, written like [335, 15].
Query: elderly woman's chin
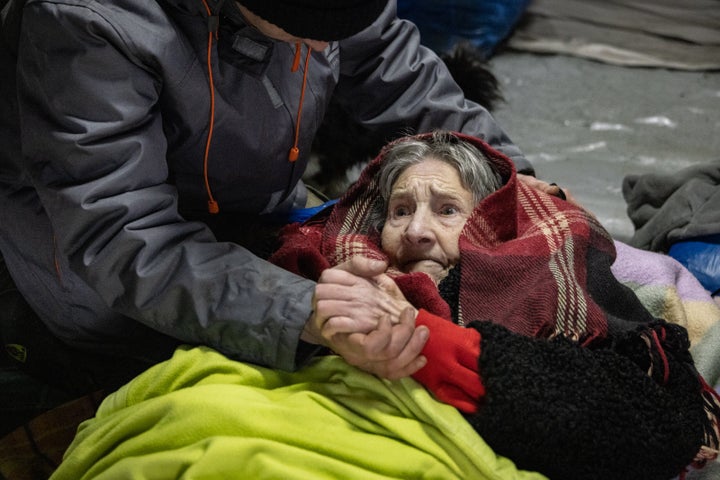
[436, 270]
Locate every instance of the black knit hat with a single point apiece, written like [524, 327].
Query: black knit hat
[322, 20]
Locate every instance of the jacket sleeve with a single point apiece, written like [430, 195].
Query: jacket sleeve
[572, 412]
[394, 82]
[93, 140]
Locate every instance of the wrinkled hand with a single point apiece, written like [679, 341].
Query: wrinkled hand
[361, 314]
[353, 296]
[390, 351]
[546, 187]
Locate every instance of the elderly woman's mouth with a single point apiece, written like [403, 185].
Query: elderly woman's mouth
[432, 267]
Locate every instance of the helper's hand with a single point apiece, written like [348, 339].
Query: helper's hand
[361, 314]
[353, 297]
[549, 188]
[390, 351]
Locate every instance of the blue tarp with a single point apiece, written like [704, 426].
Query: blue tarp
[443, 23]
[702, 257]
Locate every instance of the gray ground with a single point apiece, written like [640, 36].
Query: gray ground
[585, 124]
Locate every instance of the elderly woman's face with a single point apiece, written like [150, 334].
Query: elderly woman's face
[427, 210]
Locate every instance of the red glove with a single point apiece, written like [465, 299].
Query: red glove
[451, 372]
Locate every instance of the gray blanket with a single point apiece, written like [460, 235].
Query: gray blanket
[667, 208]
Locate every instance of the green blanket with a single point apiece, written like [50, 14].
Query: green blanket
[201, 415]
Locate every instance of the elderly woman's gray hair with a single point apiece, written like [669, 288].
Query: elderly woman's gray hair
[476, 173]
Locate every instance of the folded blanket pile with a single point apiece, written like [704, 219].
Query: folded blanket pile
[679, 213]
[667, 289]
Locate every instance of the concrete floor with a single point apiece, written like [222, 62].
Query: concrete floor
[585, 124]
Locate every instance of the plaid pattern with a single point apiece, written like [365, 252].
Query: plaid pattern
[524, 255]
[537, 256]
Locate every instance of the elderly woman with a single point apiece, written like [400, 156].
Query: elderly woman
[555, 364]
[428, 190]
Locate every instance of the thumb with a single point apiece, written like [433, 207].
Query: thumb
[364, 266]
[389, 286]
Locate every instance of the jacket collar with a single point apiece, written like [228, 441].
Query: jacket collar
[244, 38]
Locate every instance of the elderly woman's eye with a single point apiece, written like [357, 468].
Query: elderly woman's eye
[449, 210]
[401, 211]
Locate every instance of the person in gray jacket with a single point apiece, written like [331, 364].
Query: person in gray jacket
[146, 146]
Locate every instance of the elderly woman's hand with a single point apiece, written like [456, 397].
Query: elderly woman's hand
[361, 314]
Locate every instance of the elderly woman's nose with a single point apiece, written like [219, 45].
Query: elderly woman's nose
[419, 229]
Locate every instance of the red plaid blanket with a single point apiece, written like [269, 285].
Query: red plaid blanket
[530, 261]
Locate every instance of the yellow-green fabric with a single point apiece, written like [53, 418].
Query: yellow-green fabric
[202, 416]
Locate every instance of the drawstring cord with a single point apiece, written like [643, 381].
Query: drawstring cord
[296, 60]
[294, 152]
[213, 23]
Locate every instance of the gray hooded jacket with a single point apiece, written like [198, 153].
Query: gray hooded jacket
[105, 116]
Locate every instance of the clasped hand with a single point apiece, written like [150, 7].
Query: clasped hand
[361, 314]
